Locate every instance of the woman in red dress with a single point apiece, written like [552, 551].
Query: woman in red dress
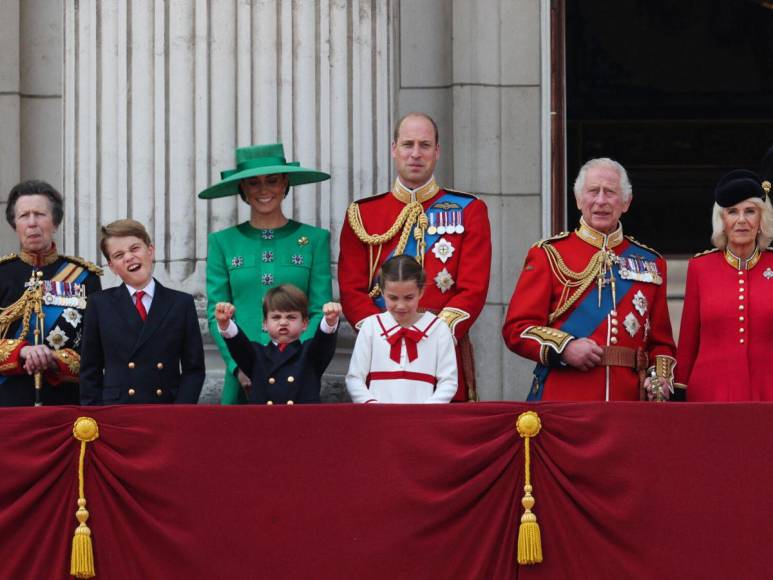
[727, 324]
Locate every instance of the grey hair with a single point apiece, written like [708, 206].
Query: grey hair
[765, 235]
[625, 183]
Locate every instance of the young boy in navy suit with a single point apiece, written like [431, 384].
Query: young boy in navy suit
[141, 340]
[285, 370]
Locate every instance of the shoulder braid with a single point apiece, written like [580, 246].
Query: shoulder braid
[559, 236]
[706, 252]
[645, 246]
[90, 266]
[8, 257]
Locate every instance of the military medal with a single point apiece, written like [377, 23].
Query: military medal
[72, 316]
[432, 229]
[459, 227]
[631, 324]
[444, 281]
[638, 269]
[443, 250]
[67, 294]
[640, 302]
[768, 273]
[57, 338]
[442, 223]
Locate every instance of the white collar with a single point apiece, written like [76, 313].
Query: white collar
[422, 324]
[149, 289]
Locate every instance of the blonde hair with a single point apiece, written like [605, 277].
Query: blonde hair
[765, 235]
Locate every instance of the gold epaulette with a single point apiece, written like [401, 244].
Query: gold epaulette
[706, 252]
[8, 257]
[90, 266]
[645, 246]
[559, 236]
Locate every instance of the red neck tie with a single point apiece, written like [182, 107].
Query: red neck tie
[281, 346]
[411, 338]
[140, 306]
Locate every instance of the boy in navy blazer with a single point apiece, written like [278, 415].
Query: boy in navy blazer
[285, 370]
[141, 340]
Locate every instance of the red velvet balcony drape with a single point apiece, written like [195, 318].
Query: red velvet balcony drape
[623, 490]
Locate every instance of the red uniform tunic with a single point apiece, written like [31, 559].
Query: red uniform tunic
[727, 328]
[639, 321]
[457, 266]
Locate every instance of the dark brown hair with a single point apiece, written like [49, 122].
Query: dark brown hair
[122, 229]
[35, 187]
[396, 134]
[286, 298]
[402, 268]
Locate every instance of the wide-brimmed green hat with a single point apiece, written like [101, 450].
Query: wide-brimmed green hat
[261, 160]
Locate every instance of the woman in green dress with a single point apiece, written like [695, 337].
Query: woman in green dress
[244, 261]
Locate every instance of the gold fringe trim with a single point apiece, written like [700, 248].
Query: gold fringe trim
[85, 430]
[529, 539]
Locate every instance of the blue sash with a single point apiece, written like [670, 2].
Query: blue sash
[588, 315]
[429, 239]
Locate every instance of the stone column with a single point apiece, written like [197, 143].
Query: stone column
[30, 98]
[159, 93]
[477, 67]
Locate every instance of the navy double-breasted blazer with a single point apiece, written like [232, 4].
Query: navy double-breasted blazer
[294, 374]
[126, 360]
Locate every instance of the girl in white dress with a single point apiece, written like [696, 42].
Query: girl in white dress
[402, 355]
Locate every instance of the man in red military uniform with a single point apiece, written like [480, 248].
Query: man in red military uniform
[448, 231]
[590, 306]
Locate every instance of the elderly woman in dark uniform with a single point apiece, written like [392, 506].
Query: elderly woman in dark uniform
[42, 296]
[726, 334]
[246, 260]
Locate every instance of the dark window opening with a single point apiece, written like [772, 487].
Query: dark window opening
[679, 93]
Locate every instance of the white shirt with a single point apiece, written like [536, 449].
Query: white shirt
[147, 299]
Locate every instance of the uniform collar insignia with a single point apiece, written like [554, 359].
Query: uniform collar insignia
[741, 264]
[599, 240]
[39, 260]
[421, 194]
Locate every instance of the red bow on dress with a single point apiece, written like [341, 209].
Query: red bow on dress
[411, 337]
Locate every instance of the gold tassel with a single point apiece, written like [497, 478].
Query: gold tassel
[85, 430]
[529, 539]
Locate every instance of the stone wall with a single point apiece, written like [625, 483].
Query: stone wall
[153, 97]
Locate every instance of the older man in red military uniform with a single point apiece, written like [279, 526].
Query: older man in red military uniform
[448, 231]
[590, 306]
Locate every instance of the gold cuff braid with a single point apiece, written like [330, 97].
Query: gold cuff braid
[452, 316]
[71, 360]
[7, 346]
[664, 367]
[548, 337]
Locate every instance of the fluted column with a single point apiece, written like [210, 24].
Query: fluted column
[158, 93]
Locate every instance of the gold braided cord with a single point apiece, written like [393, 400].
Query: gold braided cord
[22, 308]
[411, 215]
[571, 279]
[407, 217]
